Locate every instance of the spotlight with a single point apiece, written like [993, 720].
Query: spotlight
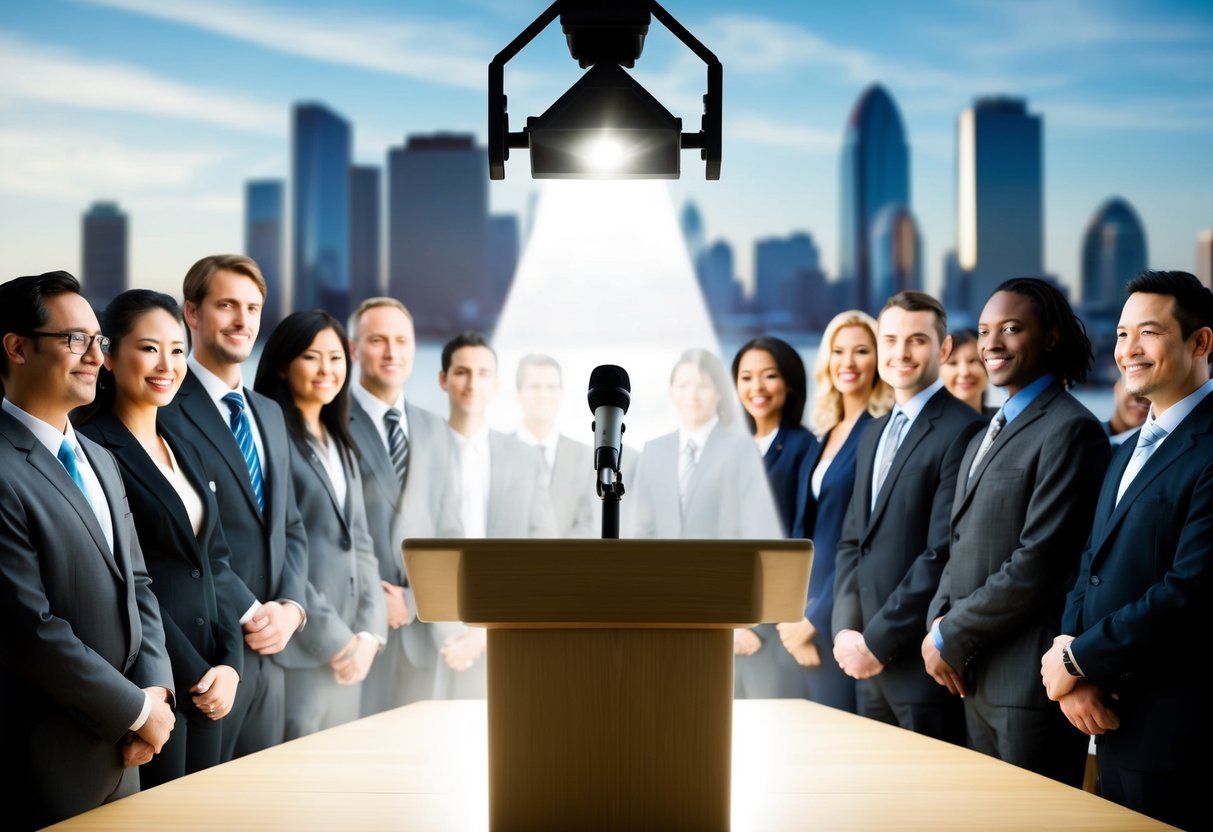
[606, 126]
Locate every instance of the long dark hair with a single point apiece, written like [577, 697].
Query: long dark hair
[1071, 359]
[289, 340]
[791, 367]
[117, 321]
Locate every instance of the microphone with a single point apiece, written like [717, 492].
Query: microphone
[609, 396]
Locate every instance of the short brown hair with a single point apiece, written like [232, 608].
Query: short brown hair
[912, 301]
[198, 279]
[369, 304]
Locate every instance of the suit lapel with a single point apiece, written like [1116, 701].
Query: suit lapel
[202, 413]
[498, 481]
[111, 484]
[374, 452]
[1173, 448]
[1034, 411]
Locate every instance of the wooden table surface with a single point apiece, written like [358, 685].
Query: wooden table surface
[796, 766]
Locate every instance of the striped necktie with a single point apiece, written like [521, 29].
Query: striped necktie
[690, 456]
[397, 445]
[892, 442]
[243, 432]
[996, 425]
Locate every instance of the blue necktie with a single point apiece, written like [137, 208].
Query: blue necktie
[67, 456]
[1147, 443]
[243, 432]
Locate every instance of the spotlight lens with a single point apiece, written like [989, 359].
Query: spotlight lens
[605, 154]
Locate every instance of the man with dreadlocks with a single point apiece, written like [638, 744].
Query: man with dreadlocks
[1023, 508]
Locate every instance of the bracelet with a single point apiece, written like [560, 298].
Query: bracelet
[1068, 662]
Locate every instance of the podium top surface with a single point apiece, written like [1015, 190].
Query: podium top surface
[668, 583]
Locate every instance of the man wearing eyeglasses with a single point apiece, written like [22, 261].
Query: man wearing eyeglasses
[85, 682]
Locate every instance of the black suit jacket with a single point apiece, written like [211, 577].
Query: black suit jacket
[1018, 527]
[269, 549]
[200, 631]
[80, 633]
[1140, 605]
[891, 555]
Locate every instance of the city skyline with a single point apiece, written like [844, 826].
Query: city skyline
[170, 110]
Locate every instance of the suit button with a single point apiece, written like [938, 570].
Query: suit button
[199, 621]
[345, 543]
[195, 574]
[1094, 580]
[131, 660]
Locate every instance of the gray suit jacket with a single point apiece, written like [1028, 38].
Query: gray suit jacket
[519, 503]
[1018, 529]
[572, 491]
[427, 507]
[80, 632]
[344, 596]
[728, 494]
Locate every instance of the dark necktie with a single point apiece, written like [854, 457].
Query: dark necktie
[397, 445]
[243, 431]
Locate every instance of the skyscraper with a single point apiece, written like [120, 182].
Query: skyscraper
[437, 217]
[105, 253]
[718, 280]
[263, 242]
[1113, 252]
[895, 254]
[320, 147]
[691, 223]
[1000, 187]
[365, 280]
[1204, 257]
[788, 282]
[503, 245]
[875, 173]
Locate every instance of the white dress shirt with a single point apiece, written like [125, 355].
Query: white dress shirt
[475, 471]
[910, 410]
[765, 442]
[376, 409]
[217, 388]
[546, 446]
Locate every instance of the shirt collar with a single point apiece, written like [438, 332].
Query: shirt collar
[918, 401]
[478, 440]
[1179, 411]
[700, 434]
[215, 387]
[531, 439]
[1019, 402]
[377, 409]
[47, 434]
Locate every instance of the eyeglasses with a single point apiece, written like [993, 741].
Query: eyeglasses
[77, 342]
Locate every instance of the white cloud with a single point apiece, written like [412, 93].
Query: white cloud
[441, 52]
[77, 168]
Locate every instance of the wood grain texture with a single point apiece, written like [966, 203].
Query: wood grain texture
[598, 729]
[796, 765]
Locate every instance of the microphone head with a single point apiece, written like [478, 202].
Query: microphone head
[610, 387]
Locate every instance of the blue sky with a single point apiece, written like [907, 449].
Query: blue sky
[168, 107]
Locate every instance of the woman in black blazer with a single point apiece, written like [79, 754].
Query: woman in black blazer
[771, 384]
[177, 521]
[304, 367]
[849, 392]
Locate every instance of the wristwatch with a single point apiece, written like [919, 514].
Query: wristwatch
[1068, 662]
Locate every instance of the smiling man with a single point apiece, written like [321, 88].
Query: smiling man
[411, 487]
[895, 537]
[241, 437]
[1124, 669]
[85, 682]
[1023, 506]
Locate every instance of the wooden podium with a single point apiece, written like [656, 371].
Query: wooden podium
[610, 668]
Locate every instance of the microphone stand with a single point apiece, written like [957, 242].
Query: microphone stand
[610, 489]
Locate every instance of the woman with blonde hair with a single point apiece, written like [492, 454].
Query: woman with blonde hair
[849, 392]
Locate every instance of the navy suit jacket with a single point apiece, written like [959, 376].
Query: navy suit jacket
[783, 461]
[269, 548]
[820, 518]
[1140, 605]
[186, 570]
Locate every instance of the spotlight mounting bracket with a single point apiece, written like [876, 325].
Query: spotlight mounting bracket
[600, 31]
